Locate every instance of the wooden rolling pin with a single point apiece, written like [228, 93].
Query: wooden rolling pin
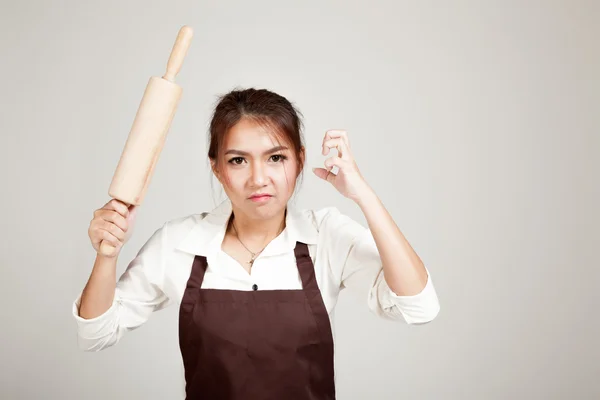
[148, 133]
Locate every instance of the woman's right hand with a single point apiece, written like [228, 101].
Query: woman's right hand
[112, 223]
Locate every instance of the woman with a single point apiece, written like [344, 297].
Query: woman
[255, 279]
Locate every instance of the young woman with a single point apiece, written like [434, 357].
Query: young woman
[255, 279]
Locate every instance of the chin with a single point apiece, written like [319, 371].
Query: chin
[264, 210]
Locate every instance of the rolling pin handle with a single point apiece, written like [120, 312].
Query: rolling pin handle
[178, 53]
[107, 249]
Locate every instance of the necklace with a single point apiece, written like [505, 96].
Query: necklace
[253, 254]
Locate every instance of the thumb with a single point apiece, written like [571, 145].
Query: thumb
[323, 174]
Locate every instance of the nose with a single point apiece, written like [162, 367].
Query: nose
[258, 177]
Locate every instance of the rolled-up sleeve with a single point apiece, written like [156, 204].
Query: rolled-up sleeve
[417, 309]
[138, 293]
[355, 260]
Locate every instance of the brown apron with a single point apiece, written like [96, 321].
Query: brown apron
[259, 344]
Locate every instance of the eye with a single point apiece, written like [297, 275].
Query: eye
[278, 157]
[235, 160]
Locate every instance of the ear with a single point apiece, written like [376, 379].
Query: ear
[213, 166]
[302, 155]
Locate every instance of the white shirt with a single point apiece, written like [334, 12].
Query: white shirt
[343, 252]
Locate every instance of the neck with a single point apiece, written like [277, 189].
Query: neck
[256, 231]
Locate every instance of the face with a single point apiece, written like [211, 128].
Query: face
[252, 164]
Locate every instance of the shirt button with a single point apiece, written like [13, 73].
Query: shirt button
[255, 287]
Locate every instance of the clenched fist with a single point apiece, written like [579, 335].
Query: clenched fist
[112, 223]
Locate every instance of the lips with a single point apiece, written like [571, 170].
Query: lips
[258, 196]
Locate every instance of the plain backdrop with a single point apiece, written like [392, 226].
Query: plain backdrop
[476, 122]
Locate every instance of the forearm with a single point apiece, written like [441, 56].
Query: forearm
[403, 270]
[98, 294]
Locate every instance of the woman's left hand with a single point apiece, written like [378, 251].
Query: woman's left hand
[348, 180]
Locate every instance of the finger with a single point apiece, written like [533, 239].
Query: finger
[118, 206]
[101, 225]
[107, 236]
[115, 218]
[324, 174]
[334, 162]
[338, 135]
[113, 230]
[329, 144]
[339, 145]
[330, 134]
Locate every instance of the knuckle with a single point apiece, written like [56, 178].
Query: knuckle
[98, 228]
[110, 215]
[114, 216]
[110, 238]
[118, 231]
[107, 226]
[117, 206]
[117, 221]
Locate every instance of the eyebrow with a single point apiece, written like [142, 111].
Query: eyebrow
[245, 153]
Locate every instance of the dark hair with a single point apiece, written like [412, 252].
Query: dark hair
[263, 106]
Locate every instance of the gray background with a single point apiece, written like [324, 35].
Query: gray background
[476, 122]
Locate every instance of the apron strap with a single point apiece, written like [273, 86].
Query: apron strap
[313, 296]
[305, 267]
[198, 269]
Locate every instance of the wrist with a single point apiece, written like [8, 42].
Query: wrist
[105, 263]
[366, 196]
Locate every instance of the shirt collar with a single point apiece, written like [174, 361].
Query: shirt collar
[207, 234]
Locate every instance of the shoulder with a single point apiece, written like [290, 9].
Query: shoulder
[331, 221]
[173, 231]
[183, 223]
[336, 233]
